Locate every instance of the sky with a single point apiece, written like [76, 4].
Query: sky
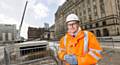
[37, 13]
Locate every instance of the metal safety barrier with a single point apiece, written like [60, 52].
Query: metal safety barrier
[34, 54]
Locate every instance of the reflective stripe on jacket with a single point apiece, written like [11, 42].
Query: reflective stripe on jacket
[85, 46]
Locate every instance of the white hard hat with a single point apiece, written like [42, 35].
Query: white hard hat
[72, 17]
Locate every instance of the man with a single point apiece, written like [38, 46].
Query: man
[78, 47]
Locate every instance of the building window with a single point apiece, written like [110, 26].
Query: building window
[105, 32]
[84, 18]
[102, 8]
[90, 25]
[10, 36]
[3, 36]
[80, 14]
[89, 11]
[94, 3]
[88, 1]
[85, 26]
[104, 23]
[118, 31]
[95, 8]
[119, 13]
[90, 18]
[80, 20]
[84, 12]
[118, 4]
[97, 24]
[98, 33]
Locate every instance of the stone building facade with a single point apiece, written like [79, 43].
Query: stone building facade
[52, 32]
[102, 17]
[8, 33]
[35, 33]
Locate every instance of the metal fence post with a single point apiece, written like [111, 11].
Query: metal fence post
[6, 56]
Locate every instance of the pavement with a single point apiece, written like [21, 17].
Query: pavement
[110, 58]
[111, 46]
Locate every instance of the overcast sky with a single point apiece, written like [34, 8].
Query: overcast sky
[37, 13]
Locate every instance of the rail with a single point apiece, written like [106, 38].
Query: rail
[28, 55]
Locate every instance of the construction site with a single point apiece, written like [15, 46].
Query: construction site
[45, 53]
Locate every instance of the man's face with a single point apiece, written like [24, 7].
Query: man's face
[72, 26]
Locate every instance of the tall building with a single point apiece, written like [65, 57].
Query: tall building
[52, 32]
[35, 33]
[8, 33]
[46, 26]
[102, 17]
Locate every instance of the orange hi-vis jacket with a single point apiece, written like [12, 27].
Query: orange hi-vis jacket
[84, 46]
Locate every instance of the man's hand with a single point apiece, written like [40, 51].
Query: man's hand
[71, 59]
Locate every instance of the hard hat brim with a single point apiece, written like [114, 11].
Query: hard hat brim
[72, 20]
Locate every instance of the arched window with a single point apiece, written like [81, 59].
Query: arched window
[105, 32]
[98, 33]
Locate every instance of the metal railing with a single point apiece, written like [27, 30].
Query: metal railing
[28, 56]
